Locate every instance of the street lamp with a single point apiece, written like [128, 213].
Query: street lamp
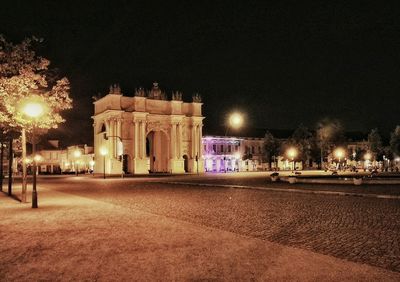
[33, 109]
[235, 120]
[104, 152]
[339, 154]
[77, 155]
[292, 153]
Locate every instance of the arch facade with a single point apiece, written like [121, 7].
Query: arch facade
[173, 127]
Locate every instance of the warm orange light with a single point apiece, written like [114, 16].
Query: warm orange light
[103, 151]
[367, 156]
[292, 153]
[37, 158]
[339, 153]
[235, 120]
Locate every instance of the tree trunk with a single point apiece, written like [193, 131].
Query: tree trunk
[10, 163]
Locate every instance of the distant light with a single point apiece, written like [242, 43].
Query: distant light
[367, 156]
[292, 152]
[91, 163]
[27, 160]
[37, 158]
[238, 156]
[103, 151]
[235, 120]
[339, 153]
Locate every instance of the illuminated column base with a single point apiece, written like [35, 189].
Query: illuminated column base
[193, 166]
[113, 167]
[141, 166]
[177, 166]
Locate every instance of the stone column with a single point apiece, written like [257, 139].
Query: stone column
[179, 142]
[143, 139]
[136, 140]
[193, 141]
[173, 141]
[200, 141]
[113, 139]
[117, 140]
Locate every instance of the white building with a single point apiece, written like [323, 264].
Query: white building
[147, 133]
[227, 153]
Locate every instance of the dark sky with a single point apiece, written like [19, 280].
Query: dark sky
[281, 63]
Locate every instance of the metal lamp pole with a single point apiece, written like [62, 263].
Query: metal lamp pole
[34, 191]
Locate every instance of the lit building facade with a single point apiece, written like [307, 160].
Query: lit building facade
[229, 154]
[147, 133]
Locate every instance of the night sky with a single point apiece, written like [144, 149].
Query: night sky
[281, 63]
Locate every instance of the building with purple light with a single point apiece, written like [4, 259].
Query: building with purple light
[229, 154]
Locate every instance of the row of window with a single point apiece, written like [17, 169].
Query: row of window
[222, 148]
[229, 148]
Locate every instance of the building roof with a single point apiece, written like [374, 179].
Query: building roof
[249, 132]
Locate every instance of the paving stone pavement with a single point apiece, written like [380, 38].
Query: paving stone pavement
[364, 230]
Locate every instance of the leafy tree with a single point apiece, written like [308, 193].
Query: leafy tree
[302, 139]
[25, 76]
[375, 143]
[271, 146]
[395, 141]
[329, 133]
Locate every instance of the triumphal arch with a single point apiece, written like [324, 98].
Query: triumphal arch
[147, 132]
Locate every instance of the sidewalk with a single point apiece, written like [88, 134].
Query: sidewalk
[75, 238]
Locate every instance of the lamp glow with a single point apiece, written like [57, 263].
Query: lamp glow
[292, 153]
[236, 120]
[339, 153]
[103, 151]
[33, 109]
[37, 158]
[367, 156]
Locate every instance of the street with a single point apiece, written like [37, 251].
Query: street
[224, 228]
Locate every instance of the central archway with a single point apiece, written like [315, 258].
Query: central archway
[157, 151]
[186, 163]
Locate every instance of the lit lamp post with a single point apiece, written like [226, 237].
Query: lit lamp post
[34, 110]
[77, 155]
[339, 154]
[235, 121]
[104, 152]
[292, 153]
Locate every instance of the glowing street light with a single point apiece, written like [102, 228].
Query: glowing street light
[339, 154]
[33, 108]
[292, 153]
[235, 120]
[104, 152]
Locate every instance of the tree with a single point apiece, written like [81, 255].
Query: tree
[25, 76]
[329, 133]
[302, 139]
[375, 143]
[271, 146]
[395, 141]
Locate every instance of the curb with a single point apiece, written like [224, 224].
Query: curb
[290, 190]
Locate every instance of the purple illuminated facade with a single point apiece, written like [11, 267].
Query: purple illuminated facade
[230, 154]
